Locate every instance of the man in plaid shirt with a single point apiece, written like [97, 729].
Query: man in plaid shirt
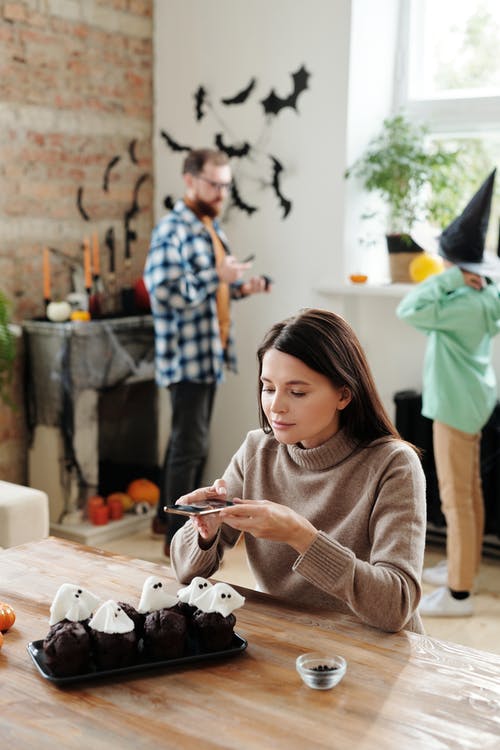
[191, 276]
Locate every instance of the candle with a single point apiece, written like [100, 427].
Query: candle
[96, 260]
[115, 509]
[86, 264]
[95, 501]
[46, 274]
[100, 515]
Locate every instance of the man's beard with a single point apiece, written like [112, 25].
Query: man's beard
[201, 208]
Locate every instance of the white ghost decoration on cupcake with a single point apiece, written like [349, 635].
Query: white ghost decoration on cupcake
[73, 603]
[221, 598]
[110, 618]
[190, 594]
[155, 596]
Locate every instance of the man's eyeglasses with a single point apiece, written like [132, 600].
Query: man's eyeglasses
[215, 185]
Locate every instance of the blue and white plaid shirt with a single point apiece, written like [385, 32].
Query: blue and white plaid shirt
[182, 281]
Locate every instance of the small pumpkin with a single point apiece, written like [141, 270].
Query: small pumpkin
[80, 315]
[125, 500]
[358, 278]
[58, 312]
[7, 616]
[143, 491]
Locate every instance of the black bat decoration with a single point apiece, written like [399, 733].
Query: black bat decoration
[173, 144]
[239, 203]
[168, 202]
[105, 182]
[199, 99]
[273, 103]
[134, 208]
[79, 204]
[240, 151]
[130, 234]
[242, 95]
[131, 151]
[285, 204]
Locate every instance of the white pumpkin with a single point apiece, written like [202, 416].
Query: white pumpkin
[58, 312]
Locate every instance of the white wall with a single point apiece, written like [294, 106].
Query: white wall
[221, 45]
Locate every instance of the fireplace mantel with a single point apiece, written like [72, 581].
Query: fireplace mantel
[70, 367]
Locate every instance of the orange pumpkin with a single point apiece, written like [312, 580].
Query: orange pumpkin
[144, 491]
[7, 616]
[80, 315]
[126, 500]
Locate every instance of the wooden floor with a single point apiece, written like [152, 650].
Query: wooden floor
[481, 631]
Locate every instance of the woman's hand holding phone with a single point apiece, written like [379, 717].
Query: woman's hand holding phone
[207, 525]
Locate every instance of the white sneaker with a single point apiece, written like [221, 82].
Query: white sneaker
[437, 575]
[441, 604]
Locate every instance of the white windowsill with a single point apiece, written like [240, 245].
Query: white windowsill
[365, 290]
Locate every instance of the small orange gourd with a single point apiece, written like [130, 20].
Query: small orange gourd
[7, 616]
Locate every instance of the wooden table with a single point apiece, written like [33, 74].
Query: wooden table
[401, 691]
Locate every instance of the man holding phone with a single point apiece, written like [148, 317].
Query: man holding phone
[191, 277]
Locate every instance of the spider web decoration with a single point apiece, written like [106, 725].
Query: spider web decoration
[246, 153]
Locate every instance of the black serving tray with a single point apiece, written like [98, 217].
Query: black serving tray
[192, 656]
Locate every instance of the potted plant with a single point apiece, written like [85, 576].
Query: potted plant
[7, 351]
[409, 173]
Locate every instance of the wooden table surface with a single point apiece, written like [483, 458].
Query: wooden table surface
[401, 691]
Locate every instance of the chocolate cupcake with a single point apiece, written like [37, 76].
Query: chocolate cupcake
[214, 631]
[113, 637]
[214, 619]
[67, 649]
[136, 617]
[164, 634]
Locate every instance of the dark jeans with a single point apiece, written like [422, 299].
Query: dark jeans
[187, 450]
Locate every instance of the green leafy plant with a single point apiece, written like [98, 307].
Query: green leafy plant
[410, 172]
[7, 351]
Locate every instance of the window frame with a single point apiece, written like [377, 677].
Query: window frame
[461, 115]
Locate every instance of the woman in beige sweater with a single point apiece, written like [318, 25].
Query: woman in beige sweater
[331, 501]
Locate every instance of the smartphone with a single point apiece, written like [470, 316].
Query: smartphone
[268, 281]
[249, 258]
[200, 508]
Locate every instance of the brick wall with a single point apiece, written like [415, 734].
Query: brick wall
[75, 152]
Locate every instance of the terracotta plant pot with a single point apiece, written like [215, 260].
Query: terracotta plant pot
[402, 250]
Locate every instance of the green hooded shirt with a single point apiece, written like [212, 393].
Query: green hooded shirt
[459, 384]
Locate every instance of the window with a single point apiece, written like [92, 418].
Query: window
[448, 76]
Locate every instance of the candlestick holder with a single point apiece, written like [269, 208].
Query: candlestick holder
[112, 302]
[95, 298]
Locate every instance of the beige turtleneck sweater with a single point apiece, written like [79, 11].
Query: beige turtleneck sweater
[368, 505]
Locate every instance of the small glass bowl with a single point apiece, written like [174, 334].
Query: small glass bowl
[320, 671]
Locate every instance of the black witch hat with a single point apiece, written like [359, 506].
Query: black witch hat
[462, 242]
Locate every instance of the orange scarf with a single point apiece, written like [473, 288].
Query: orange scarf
[223, 295]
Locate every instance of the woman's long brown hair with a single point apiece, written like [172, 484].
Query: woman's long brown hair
[326, 343]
